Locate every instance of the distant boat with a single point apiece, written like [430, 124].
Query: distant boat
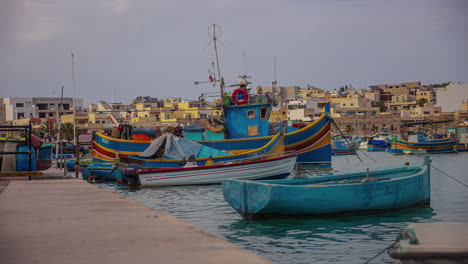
[344, 146]
[432, 243]
[264, 168]
[377, 145]
[339, 193]
[419, 141]
[462, 135]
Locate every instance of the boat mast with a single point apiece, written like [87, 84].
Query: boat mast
[214, 36]
[74, 106]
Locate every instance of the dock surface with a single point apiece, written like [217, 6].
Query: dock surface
[71, 221]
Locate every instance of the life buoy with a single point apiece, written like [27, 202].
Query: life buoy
[236, 100]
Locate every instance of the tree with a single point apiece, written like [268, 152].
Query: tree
[421, 102]
[45, 128]
[66, 131]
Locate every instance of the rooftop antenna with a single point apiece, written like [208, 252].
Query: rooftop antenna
[214, 36]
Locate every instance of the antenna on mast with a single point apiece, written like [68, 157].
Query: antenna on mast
[214, 36]
[245, 64]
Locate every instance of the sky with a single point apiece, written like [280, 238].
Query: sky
[159, 48]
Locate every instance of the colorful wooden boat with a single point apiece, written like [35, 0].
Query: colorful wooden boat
[444, 242]
[419, 141]
[311, 143]
[262, 168]
[344, 147]
[339, 193]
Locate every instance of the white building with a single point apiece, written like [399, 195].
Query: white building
[451, 98]
[38, 107]
[302, 110]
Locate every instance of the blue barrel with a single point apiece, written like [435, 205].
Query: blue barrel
[22, 160]
[45, 152]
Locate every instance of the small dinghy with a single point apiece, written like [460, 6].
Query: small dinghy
[338, 193]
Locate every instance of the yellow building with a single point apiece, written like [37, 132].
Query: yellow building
[350, 100]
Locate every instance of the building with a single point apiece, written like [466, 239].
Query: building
[38, 107]
[452, 97]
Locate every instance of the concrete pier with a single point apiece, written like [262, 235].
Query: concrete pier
[71, 221]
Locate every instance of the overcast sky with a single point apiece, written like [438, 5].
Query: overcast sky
[126, 48]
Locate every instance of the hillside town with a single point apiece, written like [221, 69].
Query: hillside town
[396, 108]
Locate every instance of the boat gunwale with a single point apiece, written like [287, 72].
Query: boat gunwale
[419, 170]
[148, 171]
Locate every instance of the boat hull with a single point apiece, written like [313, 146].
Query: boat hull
[312, 144]
[262, 169]
[436, 146]
[316, 196]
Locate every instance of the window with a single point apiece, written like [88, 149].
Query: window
[351, 104]
[51, 114]
[251, 114]
[103, 122]
[19, 104]
[19, 115]
[42, 106]
[42, 115]
[344, 105]
[263, 112]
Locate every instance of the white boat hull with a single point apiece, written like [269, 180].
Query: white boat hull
[263, 169]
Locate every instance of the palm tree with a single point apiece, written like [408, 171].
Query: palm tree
[66, 131]
[45, 128]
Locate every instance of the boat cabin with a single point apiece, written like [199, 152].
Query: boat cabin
[247, 120]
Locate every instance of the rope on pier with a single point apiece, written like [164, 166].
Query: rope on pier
[449, 176]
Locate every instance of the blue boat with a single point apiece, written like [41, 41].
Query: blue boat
[342, 146]
[338, 193]
[377, 145]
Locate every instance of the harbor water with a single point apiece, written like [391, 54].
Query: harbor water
[351, 238]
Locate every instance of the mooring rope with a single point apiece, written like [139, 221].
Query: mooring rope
[339, 130]
[449, 176]
[367, 156]
[382, 251]
[108, 175]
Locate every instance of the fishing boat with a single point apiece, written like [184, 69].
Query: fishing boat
[339, 193]
[344, 146]
[420, 141]
[258, 169]
[461, 132]
[169, 151]
[311, 143]
[377, 145]
[444, 242]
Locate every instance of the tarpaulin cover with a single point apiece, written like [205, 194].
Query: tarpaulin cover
[378, 143]
[179, 148]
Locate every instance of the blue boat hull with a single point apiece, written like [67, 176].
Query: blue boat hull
[398, 188]
[104, 171]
